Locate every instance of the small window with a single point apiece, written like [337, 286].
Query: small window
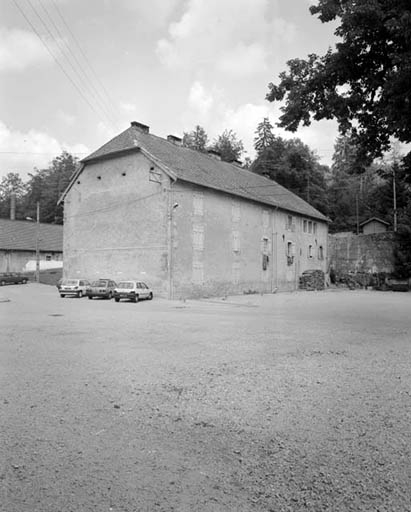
[235, 212]
[236, 241]
[48, 257]
[320, 252]
[290, 253]
[198, 203]
[310, 226]
[315, 228]
[310, 251]
[304, 226]
[198, 237]
[289, 222]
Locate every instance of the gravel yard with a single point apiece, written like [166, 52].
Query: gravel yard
[286, 402]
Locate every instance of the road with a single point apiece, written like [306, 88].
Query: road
[285, 402]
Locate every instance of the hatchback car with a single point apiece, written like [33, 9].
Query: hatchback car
[132, 290]
[12, 278]
[103, 288]
[75, 287]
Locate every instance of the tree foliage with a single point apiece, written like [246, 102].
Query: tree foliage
[196, 139]
[229, 146]
[44, 186]
[290, 163]
[363, 83]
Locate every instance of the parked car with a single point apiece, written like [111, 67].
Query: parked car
[132, 290]
[77, 287]
[103, 288]
[12, 278]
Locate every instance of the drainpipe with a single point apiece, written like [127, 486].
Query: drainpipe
[274, 256]
[170, 233]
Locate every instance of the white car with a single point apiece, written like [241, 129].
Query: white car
[132, 290]
[75, 287]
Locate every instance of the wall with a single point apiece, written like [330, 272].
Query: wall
[219, 248]
[362, 253]
[115, 222]
[24, 261]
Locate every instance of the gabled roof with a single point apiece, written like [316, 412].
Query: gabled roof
[20, 235]
[371, 219]
[201, 169]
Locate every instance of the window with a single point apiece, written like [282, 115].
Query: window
[320, 252]
[315, 228]
[235, 269]
[310, 251]
[198, 237]
[198, 272]
[198, 203]
[235, 212]
[304, 226]
[48, 257]
[265, 219]
[236, 241]
[289, 222]
[310, 226]
[290, 253]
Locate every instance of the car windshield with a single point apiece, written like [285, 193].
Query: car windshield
[101, 282]
[128, 285]
[69, 282]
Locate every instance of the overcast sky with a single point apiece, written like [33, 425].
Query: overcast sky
[170, 64]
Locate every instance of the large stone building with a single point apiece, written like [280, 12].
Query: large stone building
[185, 222]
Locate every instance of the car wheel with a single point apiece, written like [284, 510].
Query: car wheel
[110, 296]
[62, 295]
[80, 294]
[24, 281]
[90, 297]
[150, 297]
[2, 283]
[135, 298]
[117, 299]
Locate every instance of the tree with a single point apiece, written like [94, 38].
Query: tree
[229, 146]
[363, 83]
[294, 165]
[264, 136]
[196, 139]
[11, 183]
[47, 185]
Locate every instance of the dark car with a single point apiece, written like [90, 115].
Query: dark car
[12, 278]
[103, 288]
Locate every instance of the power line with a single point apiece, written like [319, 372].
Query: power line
[57, 61]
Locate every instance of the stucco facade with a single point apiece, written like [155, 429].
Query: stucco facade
[189, 226]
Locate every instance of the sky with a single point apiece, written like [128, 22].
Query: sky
[75, 73]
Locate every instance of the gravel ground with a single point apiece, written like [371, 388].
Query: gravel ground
[285, 402]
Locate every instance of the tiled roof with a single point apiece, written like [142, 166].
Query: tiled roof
[21, 235]
[201, 169]
[371, 219]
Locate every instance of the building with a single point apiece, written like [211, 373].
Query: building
[187, 223]
[19, 240]
[374, 225]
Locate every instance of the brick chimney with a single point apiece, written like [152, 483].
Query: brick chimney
[13, 206]
[175, 140]
[140, 127]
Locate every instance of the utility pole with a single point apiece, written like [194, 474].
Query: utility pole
[357, 213]
[394, 193]
[38, 243]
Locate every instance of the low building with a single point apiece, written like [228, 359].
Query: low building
[189, 224]
[19, 240]
[374, 225]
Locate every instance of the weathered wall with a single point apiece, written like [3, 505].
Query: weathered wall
[115, 222]
[361, 253]
[23, 261]
[219, 247]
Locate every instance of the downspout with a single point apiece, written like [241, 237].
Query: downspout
[170, 233]
[274, 256]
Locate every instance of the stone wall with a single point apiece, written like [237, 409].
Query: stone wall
[373, 253]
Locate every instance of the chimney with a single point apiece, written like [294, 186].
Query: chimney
[140, 127]
[214, 154]
[175, 140]
[13, 206]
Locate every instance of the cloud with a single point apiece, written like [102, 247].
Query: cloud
[200, 100]
[22, 152]
[155, 13]
[20, 49]
[128, 107]
[234, 36]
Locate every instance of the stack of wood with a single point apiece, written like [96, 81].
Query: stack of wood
[312, 280]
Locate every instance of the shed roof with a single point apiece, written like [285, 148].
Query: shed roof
[204, 170]
[20, 235]
[374, 219]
